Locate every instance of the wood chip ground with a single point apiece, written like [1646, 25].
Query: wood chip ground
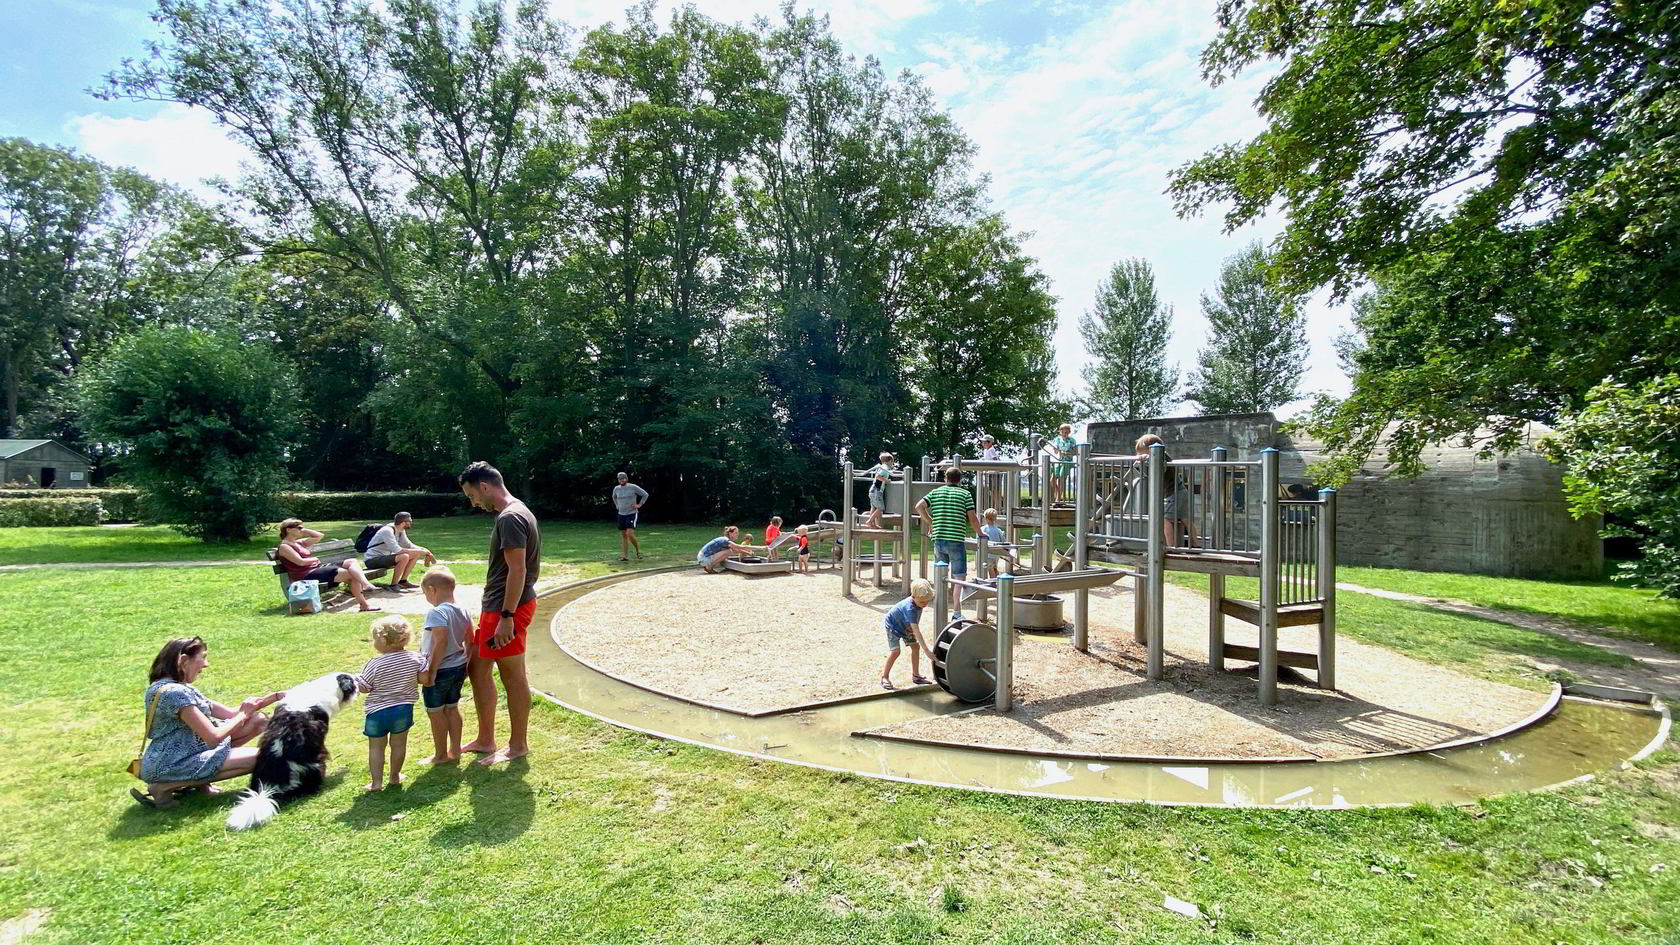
[772, 642]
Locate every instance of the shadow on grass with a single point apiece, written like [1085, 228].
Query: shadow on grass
[138, 821]
[375, 809]
[503, 805]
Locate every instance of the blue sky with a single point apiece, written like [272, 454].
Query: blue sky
[1079, 111]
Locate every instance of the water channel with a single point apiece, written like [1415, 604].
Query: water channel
[1583, 737]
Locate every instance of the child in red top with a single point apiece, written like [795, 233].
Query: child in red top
[772, 532]
[804, 561]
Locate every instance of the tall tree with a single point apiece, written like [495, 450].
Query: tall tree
[980, 321]
[1257, 341]
[671, 114]
[422, 144]
[1126, 333]
[82, 246]
[205, 419]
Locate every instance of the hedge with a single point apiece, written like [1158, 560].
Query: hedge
[50, 512]
[370, 506]
[121, 505]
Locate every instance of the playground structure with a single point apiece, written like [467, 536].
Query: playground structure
[1217, 516]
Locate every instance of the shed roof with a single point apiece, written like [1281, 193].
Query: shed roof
[11, 448]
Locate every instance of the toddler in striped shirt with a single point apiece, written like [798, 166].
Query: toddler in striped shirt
[392, 683]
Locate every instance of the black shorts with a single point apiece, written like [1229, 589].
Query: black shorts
[380, 562]
[326, 574]
[628, 521]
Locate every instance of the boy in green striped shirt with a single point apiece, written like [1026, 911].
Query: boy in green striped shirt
[948, 515]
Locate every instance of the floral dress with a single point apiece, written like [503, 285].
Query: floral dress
[175, 753]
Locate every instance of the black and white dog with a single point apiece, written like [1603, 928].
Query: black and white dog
[292, 755]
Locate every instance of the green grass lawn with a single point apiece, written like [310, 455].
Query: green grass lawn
[1486, 648]
[608, 836]
[467, 536]
[1625, 611]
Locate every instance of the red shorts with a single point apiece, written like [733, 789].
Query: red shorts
[490, 620]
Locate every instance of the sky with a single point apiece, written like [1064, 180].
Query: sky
[1079, 110]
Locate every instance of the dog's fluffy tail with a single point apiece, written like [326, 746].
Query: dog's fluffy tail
[254, 809]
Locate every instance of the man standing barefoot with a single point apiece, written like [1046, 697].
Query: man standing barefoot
[510, 600]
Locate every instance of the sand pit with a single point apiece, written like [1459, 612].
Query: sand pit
[760, 644]
[749, 644]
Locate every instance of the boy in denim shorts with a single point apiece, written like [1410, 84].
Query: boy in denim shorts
[444, 643]
[904, 626]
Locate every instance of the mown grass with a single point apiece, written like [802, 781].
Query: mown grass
[607, 836]
[1630, 612]
[1487, 648]
[465, 536]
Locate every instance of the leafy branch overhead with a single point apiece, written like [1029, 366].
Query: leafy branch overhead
[1505, 176]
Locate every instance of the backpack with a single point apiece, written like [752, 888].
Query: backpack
[366, 537]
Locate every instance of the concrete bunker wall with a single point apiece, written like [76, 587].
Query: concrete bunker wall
[1502, 516]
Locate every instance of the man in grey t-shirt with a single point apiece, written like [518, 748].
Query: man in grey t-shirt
[510, 603]
[628, 498]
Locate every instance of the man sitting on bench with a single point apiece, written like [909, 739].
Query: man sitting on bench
[390, 549]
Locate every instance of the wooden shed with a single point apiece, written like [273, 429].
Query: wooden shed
[43, 464]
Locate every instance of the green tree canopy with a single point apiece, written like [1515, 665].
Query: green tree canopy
[204, 420]
[1126, 332]
[1257, 341]
[1505, 174]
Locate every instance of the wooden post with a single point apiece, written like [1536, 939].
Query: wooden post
[1269, 554]
[848, 551]
[1327, 588]
[941, 596]
[903, 555]
[1081, 526]
[1005, 643]
[1156, 606]
[1216, 582]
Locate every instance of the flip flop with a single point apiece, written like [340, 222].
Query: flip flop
[149, 801]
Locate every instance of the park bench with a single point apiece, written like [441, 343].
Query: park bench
[334, 551]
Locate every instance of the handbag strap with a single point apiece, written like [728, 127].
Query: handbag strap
[151, 713]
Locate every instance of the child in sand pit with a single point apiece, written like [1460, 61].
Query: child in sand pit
[903, 624]
[803, 564]
[772, 532]
[1005, 562]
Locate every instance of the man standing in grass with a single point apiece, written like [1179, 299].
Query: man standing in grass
[510, 601]
[628, 498]
[948, 515]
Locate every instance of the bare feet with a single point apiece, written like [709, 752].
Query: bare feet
[374, 786]
[479, 748]
[506, 754]
[397, 779]
[440, 759]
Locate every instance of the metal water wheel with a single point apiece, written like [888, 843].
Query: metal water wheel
[964, 660]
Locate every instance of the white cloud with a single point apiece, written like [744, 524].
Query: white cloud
[178, 144]
[1078, 134]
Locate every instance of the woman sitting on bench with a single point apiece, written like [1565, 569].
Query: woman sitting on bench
[293, 553]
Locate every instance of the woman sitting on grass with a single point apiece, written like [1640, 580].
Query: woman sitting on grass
[300, 565]
[193, 740]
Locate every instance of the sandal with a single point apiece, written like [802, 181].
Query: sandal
[148, 800]
[887, 683]
[921, 680]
